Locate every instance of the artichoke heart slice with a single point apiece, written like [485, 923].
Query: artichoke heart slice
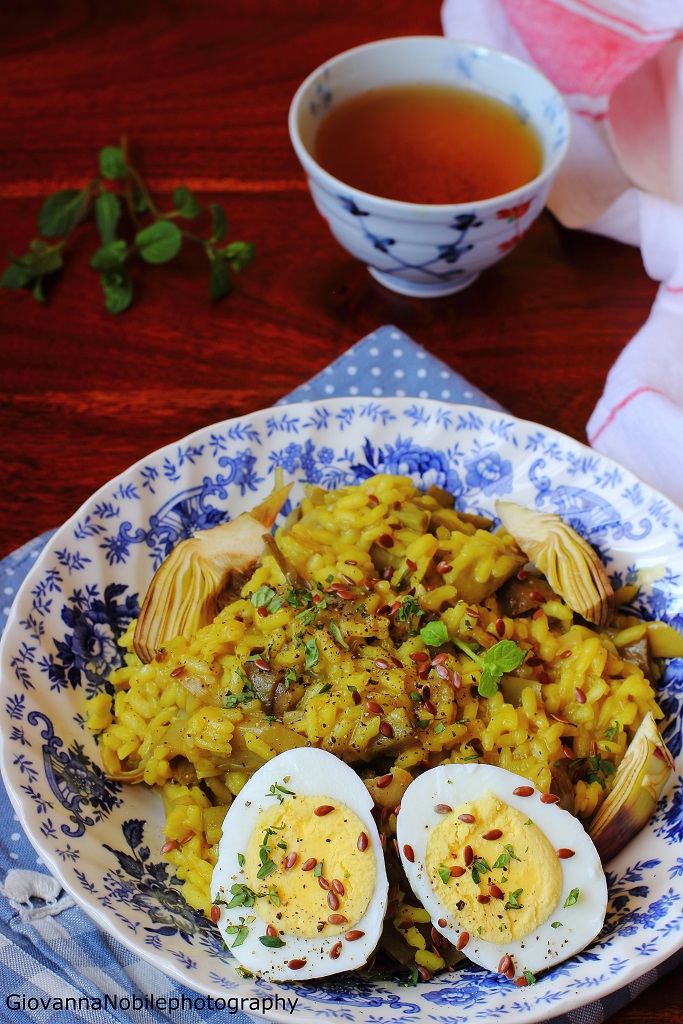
[638, 784]
[568, 562]
[194, 582]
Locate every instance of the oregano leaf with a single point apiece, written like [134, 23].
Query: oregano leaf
[43, 258]
[186, 203]
[118, 290]
[220, 222]
[221, 285]
[111, 256]
[16, 275]
[107, 213]
[112, 163]
[160, 242]
[38, 293]
[238, 254]
[59, 213]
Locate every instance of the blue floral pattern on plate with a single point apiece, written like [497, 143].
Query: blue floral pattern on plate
[61, 644]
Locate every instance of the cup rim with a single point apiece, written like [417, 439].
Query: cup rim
[399, 206]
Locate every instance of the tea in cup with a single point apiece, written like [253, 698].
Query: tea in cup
[428, 157]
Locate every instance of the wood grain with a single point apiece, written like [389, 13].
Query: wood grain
[202, 92]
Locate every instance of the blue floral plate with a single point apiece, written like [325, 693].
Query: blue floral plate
[103, 840]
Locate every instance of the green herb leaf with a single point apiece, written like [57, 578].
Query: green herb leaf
[110, 256]
[337, 634]
[59, 214]
[444, 874]
[221, 285]
[17, 275]
[107, 213]
[238, 255]
[276, 790]
[513, 900]
[273, 895]
[242, 896]
[434, 633]
[409, 607]
[262, 597]
[312, 654]
[112, 163]
[505, 656]
[556, 924]
[43, 258]
[38, 293]
[266, 869]
[160, 242]
[531, 978]
[118, 290]
[272, 941]
[240, 859]
[186, 203]
[318, 869]
[572, 898]
[220, 222]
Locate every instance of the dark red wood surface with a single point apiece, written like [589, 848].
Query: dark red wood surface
[202, 89]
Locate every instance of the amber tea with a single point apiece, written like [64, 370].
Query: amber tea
[428, 144]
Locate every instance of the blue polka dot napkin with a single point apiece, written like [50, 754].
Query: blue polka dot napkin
[49, 949]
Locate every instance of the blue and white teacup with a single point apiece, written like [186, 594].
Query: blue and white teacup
[419, 249]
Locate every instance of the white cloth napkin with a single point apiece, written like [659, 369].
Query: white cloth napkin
[619, 64]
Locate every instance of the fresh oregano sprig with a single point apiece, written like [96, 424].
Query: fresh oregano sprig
[151, 234]
[504, 656]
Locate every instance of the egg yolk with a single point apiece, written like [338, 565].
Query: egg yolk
[315, 876]
[506, 876]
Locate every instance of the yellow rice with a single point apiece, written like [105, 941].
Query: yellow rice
[180, 724]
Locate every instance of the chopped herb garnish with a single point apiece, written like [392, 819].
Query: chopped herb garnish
[444, 874]
[272, 941]
[318, 869]
[423, 723]
[279, 791]
[471, 757]
[262, 597]
[572, 898]
[513, 900]
[505, 656]
[530, 978]
[326, 688]
[290, 677]
[479, 868]
[243, 972]
[273, 896]
[240, 931]
[408, 609]
[505, 858]
[247, 694]
[240, 859]
[528, 821]
[439, 727]
[601, 769]
[242, 896]
[312, 653]
[612, 731]
[337, 634]
[556, 924]
[307, 616]
[434, 633]
[412, 980]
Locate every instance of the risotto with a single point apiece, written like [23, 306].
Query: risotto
[334, 643]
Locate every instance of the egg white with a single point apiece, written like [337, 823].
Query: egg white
[454, 785]
[308, 772]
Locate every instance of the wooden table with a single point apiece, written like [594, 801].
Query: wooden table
[202, 92]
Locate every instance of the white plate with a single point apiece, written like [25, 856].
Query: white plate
[102, 840]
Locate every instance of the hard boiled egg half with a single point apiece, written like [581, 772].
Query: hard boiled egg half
[300, 881]
[507, 876]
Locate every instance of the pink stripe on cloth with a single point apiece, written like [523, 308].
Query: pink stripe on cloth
[612, 415]
[590, 59]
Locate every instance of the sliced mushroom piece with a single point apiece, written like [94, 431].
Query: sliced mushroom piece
[638, 784]
[568, 562]
[193, 583]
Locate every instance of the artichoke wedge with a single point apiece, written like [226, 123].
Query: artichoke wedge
[202, 574]
[568, 562]
[638, 784]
